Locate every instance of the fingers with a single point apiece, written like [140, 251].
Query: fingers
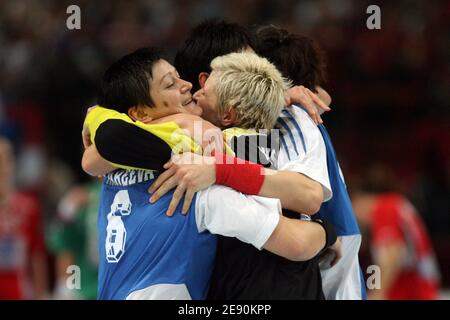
[315, 115]
[168, 185]
[161, 179]
[314, 97]
[312, 111]
[168, 165]
[177, 195]
[319, 119]
[187, 200]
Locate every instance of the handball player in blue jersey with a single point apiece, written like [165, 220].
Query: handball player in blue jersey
[144, 254]
[301, 61]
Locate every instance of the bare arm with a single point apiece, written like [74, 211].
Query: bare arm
[146, 150]
[296, 240]
[258, 221]
[389, 258]
[296, 191]
[190, 173]
[93, 163]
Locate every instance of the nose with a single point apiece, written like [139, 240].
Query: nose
[197, 94]
[186, 86]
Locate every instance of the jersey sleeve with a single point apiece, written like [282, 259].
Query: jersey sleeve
[224, 211]
[135, 145]
[312, 163]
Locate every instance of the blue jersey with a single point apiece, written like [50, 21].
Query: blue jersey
[339, 211]
[302, 152]
[143, 253]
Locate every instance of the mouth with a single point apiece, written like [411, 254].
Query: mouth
[192, 107]
[189, 102]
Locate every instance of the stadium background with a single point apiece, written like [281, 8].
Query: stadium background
[390, 87]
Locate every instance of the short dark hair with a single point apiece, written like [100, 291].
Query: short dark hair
[378, 178]
[208, 40]
[298, 58]
[126, 83]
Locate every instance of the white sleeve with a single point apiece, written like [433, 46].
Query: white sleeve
[313, 163]
[224, 211]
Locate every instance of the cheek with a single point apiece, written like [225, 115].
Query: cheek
[204, 104]
[211, 109]
[170, 100]
[205, 108]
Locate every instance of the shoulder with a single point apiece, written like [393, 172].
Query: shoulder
[197, 127]
[293, 118]
[303, 117]
[390, 200]
[99, 114]
[388, 207]
[184, 120]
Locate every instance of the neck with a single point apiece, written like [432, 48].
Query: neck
[157, 113]
[363, 205]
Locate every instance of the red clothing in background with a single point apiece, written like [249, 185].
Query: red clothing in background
[20, 238]
[395, 219]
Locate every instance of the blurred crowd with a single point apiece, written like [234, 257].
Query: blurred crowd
[390, 89]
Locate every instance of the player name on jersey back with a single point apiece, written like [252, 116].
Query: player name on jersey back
[125, 178]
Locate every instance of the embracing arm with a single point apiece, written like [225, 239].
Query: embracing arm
[125, 144]
[189, 174]
[93, 163]
[297, 240]
[296, 191]
[122, 143]
[257, 220]
[132, 145]
[302, 184]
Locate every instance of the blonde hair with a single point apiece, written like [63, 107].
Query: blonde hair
[252, 86]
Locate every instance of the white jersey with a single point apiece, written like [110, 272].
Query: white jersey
[306, 148]
[224, 211]
[302, 148]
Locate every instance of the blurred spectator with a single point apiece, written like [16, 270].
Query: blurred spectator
[399, 242]
[23, 270]
[74, 241]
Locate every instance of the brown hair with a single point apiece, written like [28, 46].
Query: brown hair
[298, 58]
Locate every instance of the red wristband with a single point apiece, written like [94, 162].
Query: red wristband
[244, 176]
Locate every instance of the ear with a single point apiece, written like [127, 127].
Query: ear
[139, 113]
[202, 77]
[229, 118]
[132, 113]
